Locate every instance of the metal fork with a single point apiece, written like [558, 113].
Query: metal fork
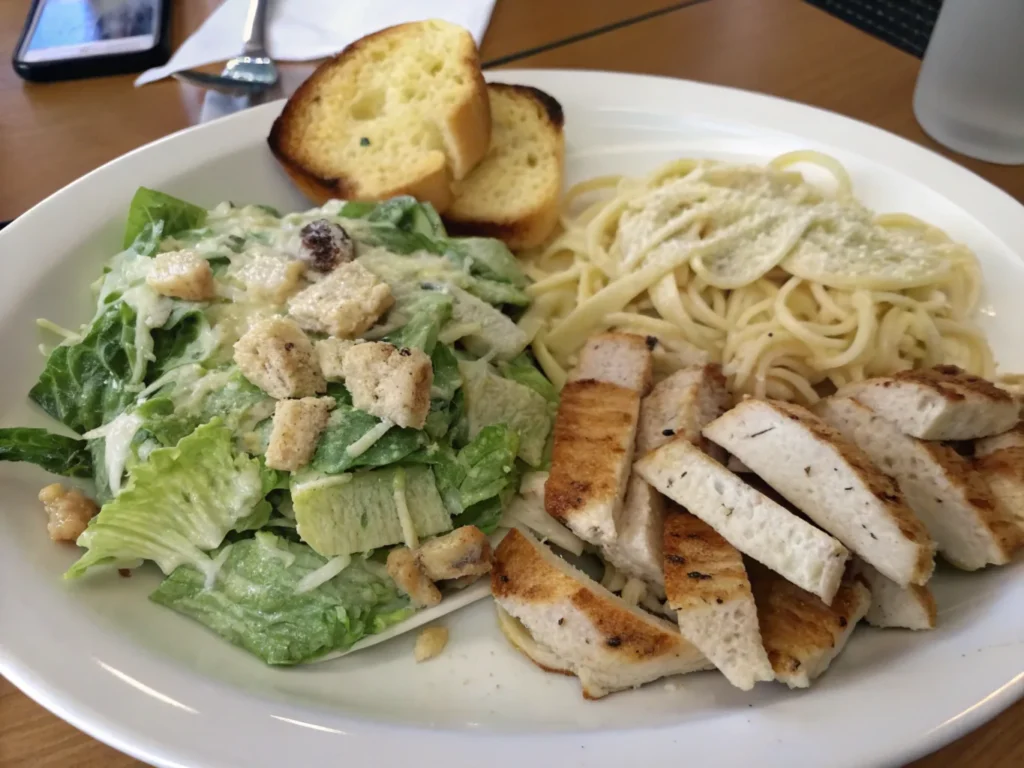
[252, 72]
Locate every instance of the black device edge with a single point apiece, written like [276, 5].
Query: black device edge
[95, 66]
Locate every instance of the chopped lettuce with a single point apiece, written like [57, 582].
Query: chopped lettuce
[155, 215]
[179, 503]
[347, 425]
[342, 514]
[488, 258]
[184, 339]
[523, 370]
[427, 311]
[478, 482]
[447, 379]
[255, 602]
[486, 515]
[491, 399]
[409, 215]
[489, 463]
[490, 331]
[88, 380]
[58, 454]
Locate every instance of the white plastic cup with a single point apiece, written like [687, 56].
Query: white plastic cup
[970, 91]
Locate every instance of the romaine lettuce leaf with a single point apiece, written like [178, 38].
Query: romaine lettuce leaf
[427, 311]
[489, 463]
[523, 370]
[254, 602]
[476, 482]
[182, 340]
[55, 453]
[488, 258]
[87, 382]
[342, 514]
[491, 399]
[150, 210]
[345, 426]
[492, 331]
[410, 215]
[447, 379]
[178, 504]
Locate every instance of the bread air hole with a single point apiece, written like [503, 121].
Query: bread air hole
[367, 105]
[531, 160]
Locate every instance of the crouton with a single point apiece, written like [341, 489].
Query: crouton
[345, 303]
[69, 511]
[429, 643]
[748, 519]
[801, 634]
[940, 486]
[941, 403]
[269, 276]
[830, 480]
[182, 275]
[389, 382]
[680, 406]
[409, 578]
[623, 359]
[277, 357]
[329, 354]
[296, 430]
[463, 552]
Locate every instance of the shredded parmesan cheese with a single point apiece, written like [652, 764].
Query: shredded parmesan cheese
[323, 574]
[366, 442]
[408, 529]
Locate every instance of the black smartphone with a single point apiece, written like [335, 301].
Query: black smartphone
[67, 39]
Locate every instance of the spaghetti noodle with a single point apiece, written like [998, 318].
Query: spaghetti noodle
[785, 285]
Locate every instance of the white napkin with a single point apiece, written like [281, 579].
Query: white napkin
[303, 30]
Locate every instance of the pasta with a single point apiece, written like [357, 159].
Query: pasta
[792, 288]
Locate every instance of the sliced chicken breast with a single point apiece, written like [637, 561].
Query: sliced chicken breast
[748, 519]
[940, 403]
[801, 634]
[575, 625]
[830, 480]
[940, 485]
[706, 585]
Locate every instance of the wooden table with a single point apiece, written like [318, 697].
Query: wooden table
[51, 134]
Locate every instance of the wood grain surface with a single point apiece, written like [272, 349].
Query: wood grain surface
[51, 134]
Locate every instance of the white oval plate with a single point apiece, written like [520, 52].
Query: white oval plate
[164, 689]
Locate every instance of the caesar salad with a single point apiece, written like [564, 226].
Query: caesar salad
[310, 422]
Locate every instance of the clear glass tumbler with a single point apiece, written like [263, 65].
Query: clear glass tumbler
[970, 92]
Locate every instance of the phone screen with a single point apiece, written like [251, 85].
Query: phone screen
[68, 29]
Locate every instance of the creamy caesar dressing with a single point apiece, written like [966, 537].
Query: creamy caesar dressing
[268, 527]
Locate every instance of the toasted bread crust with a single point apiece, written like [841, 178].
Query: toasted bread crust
[522, 230]
[469, 127]
[701, 567]
[520, 573]
[552, 109]
[588, 446]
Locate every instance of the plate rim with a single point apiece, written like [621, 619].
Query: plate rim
[92, 720]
